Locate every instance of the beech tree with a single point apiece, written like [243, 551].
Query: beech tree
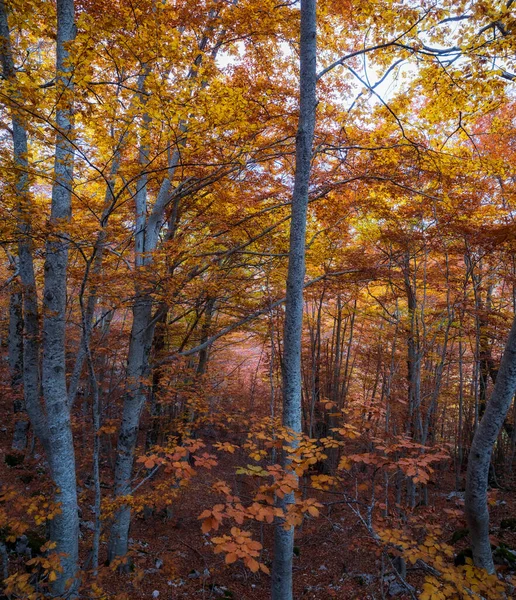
[55, 426]
[481, 451]
[293, 325]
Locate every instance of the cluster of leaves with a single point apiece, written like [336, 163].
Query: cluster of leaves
[240, 546]
[261, 509]
[175, 462]
[18, 513]
[412, 459]
[271, 481]
[445, 579]
[22, 514]
[34, 584]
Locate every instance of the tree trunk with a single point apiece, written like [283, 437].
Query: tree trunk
[31, 343]
[204, 354]
[137, 370]
[284, 539]
[414, 424]
[142, 333]
[479, 460]
[21, 425]
[156, 406]
[65, 526]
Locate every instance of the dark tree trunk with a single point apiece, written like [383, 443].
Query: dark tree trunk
[21, 424]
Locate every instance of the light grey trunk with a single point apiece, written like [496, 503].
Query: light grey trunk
[477, 513]
[65, 526]
[414, 424]
[96, 456]
[315, 350]
[94, 387]
[21, 424]
[346, 376]
[137, 363]
[292, 384]
[335, 379]
[135, 391]
[459, 450]
[137, 367]
[142, 333]
[31, 344]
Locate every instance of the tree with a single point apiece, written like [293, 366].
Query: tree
[56, 434]
[481, 451]
[293, 326]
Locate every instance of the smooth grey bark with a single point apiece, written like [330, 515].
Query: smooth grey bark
[292, 382]
[95, 408]
[414, 426]
[348, 363]
[272, 365]
[140, 343]
[61, 457]
[334, 379]
[137, 367]
[96, 452]
[476, 509]
[459, 448]
[54, 428]
[313, 386]
[31, 343]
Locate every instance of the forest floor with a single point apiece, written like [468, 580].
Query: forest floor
[336, 556]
